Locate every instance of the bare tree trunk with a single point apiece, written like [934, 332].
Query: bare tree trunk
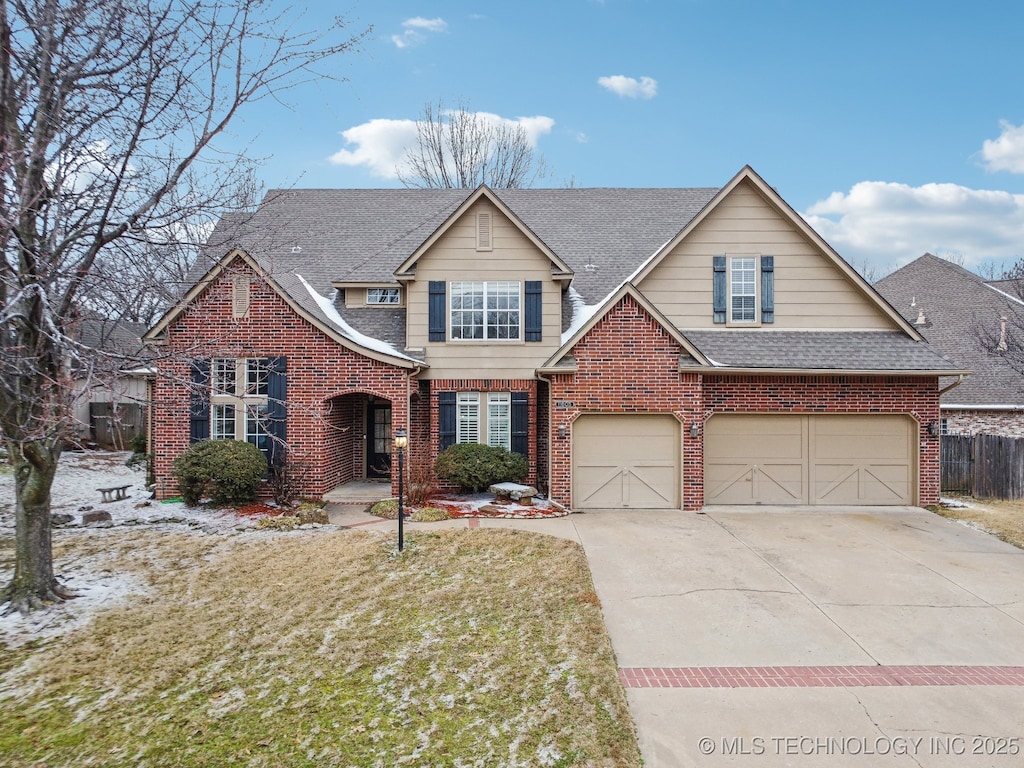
[34, 584]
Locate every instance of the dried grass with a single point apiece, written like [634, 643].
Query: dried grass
[1005, 519]
[482, 647]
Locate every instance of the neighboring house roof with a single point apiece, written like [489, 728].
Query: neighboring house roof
[958, 308]
[119, 340]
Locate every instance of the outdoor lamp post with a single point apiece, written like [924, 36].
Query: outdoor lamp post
[400, 442]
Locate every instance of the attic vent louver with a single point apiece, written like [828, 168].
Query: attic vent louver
[483, 231]
[921, 319]
[296, 249]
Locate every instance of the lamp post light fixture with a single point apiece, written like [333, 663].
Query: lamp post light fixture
[401, 441]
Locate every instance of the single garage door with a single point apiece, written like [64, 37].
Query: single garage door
[625, 461]
[813, 459]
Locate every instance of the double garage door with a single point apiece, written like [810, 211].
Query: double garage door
[633, 460]
[814, 459]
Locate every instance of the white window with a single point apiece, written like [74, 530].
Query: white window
[743, 289]
[485, 310]
[493, 427]
[238, 400]
[256, 426]
[222, 372]
[257, 375]
[467, 417]
[223, 423]
[382, 296]
[499, 420]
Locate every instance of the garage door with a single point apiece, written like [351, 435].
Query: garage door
[814, 459]
[625, 461]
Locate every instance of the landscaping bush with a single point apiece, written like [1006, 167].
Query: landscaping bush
[230, 471]
[386, 508]
[474, 467]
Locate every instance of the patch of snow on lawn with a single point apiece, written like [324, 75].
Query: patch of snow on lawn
[74, 492]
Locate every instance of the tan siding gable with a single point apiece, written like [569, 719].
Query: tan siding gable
[811, 292]
[455, 256]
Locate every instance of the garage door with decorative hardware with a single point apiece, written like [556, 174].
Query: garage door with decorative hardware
[813, 459]
[625, 461]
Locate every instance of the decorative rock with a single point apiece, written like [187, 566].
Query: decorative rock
[96, 517]
[505, 493]
[58, 519]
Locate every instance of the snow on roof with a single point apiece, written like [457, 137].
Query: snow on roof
[350, 333]
[581, 312]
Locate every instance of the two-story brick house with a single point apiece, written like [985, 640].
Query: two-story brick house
[641, 347]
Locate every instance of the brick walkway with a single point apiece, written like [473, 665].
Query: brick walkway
[817, 677]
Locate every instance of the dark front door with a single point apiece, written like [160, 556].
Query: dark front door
[378, 440]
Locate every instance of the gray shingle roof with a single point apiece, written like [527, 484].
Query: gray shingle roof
[363, 235]
[958, 305]
[818, 350]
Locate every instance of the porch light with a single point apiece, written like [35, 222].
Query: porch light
[561, 431]
[694, 429]
[401, 441]
[933, 428]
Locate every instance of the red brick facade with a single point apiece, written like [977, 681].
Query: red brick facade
[626, 363]
[327, 384]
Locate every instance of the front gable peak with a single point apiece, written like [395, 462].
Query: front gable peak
[483, 229]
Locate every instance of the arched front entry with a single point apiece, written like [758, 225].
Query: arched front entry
[358, 438]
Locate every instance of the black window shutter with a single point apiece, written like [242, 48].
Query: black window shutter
[767, 289]
[199, 402]
[277, 411]
[534, 313]
[446, 418]
[436, 310]
[719, 289]
[520, 423]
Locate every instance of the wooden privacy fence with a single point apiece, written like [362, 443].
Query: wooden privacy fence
[985, 466]
[113, 426]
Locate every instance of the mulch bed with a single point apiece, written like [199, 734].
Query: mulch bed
[475, 506]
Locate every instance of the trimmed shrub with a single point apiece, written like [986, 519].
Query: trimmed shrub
[430, 515]
[386, 508]
[474, 467]
[229, 471]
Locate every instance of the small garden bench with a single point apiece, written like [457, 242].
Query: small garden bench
[506, 493]
[115, 493]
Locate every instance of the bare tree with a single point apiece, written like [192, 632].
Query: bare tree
[110, 110]
[459, 148]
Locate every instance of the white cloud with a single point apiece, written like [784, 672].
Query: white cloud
[630, 87]
[380, 145]
[885, 225]
[1007, 152]
[413, 29]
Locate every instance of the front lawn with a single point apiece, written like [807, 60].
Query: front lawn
[1004, 518]
[324, 648]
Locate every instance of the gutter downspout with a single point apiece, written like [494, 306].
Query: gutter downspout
[957, 383]
[544, 377]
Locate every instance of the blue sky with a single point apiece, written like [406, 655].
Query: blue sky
[894, 127]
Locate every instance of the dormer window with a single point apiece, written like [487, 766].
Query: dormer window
[387, 296]
[742, 289]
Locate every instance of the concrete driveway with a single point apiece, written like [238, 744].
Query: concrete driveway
[807, 637]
